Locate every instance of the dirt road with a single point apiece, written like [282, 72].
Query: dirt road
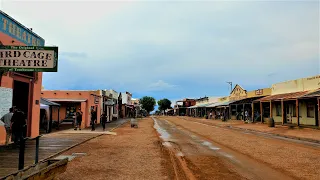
[245, 155]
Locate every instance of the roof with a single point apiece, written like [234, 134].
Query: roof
[47, 102]
[68, 100]
[246, 100]
[286, 96]
[315, 93]
[220, 104]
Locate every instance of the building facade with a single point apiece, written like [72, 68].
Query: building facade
[20, 89]
[71, 100]
[127, 106]
[110, 104]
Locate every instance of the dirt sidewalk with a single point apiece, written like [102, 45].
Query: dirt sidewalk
[134, 153]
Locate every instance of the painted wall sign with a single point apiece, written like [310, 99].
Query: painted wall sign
[29, 58]
[259, 91]
[6, 100]
[19, 32]
[238, 93]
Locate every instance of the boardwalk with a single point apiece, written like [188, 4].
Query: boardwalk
[50, 144]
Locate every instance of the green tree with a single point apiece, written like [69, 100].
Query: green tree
[164, 104]
[147, 103]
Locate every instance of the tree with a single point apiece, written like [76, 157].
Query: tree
[147, 103]
[164, 104]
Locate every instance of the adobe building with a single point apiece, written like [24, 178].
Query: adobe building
[110, 104]
[20, 89]
[126, 104]
[71, 100]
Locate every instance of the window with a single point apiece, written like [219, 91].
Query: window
[294, 112]
[278, 110]
[310, 110]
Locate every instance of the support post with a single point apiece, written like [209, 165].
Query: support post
[261, 112]
[252, 111]
[50, 122]
[21, 153]
[282, 111]
[237, 111]
[37, 150]
[297, 112]
[58, 117]
[243, 111]
[271, 108]
[230, 111]
[318, 117]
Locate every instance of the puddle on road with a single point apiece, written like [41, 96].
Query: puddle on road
[164, 135]
[167, 144]
[180, 154]
[208, 144]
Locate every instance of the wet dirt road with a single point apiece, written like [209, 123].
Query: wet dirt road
[203, 158]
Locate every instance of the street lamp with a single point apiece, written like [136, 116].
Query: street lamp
[230, 85]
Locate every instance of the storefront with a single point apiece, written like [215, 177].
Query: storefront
[20, 89]
[72, 101]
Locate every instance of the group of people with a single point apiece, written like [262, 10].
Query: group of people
[78, 119]
[15, 123]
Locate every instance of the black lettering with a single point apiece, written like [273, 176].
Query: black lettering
[44, 63]
[41, 55]
[22, 63]
[7, 62]
[29, 62]
[16, 54]
[36, 63]
[15, 62]
[33, 55]
[8, 54]
[2, 54]
[25, 54]
[49, 56]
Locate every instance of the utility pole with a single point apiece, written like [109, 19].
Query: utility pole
[230, 85]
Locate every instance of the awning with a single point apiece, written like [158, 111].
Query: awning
[286, 96]
[246, 100]
[220, 104]
[48, 102]
[68, 100]
[312, 94]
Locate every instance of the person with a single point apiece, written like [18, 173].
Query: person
[210, 115]
[246, 114]
[7, 124]
[18, 124]
[78, 119]
[93, 119]
[104, 118]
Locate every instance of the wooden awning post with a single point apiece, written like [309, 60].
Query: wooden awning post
[297, 112]
[282, 111]
[318, 102]
[243, 111]
[271, 109]
[261, 112]
[58, 117]
[252, 111]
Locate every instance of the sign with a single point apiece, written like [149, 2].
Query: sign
[259, 91]
[96, 100]
[6, 100]
[29, 58]
[238, 93]
[19, 32]
[108, 102]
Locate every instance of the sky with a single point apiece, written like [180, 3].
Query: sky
[174, 49]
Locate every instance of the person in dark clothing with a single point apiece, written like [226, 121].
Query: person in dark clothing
[93, 119]
[104, 118]
[78, 120]
[19, 124]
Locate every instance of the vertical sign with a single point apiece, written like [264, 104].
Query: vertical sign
[5, 100]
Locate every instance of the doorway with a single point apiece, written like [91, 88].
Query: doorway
[21, 98]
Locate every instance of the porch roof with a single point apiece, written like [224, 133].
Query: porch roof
[286, 96]
[48, 102]
[246, 100]
[220, 104]
[68, 100]
[312, 94]
[200, 105]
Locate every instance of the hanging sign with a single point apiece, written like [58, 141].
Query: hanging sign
[29, 58]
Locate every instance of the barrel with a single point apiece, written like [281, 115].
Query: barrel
[271, 122]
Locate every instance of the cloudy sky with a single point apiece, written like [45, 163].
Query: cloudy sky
[174, 49]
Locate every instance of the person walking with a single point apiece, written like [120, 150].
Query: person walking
[7, 124]
[18, 125]
[104, 118]
[78, 119]
[93, 119]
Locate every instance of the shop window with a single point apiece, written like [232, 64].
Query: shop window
[278, 110]
[294, 112]
[70, 110]
[310, 110]
[266, 112]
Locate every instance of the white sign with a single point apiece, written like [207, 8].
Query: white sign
[5, 100]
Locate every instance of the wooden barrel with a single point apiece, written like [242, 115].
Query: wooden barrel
[271, 122]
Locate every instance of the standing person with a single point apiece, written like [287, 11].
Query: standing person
[210, 115]
[93, 119]
[7, 124]
[18, 121]
[246, 114]
[104, 118]
[78, 119]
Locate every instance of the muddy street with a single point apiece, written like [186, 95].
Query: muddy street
[237, 155]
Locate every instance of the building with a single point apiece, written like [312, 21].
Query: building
[20, 89]
[110, 104]
[126, 105]
[293, 102]
[71, 100]
[181, 107]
